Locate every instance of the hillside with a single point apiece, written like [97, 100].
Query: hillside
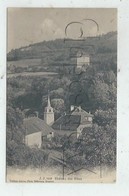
[60, 50]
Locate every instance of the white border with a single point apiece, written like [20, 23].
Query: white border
[121, 188]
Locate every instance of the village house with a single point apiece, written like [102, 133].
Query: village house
[83, 61]
[74, 122]
[38, 130]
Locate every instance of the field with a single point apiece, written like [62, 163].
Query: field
[27, 67]
[33, 74]
[24, 62]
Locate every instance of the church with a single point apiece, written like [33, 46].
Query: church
[38, 131]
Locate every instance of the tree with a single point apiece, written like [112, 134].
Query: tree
[58, 93]
[15, 133]
[58, 105]
[110, 77]
[103, 118]
[112, 96]
[99, 145]
[99, 95]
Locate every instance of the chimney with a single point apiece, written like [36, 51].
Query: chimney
[71, 108]
[37, 114]
[52, 134]
[79, 108]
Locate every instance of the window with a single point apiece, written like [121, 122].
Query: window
[89, 119]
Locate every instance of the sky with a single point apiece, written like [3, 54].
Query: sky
[31, 25]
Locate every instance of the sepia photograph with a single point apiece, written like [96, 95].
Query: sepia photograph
[61, 103]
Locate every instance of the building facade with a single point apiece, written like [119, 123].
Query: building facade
[83, 61]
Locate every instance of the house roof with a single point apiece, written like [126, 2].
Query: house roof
[35, 124]
[72, 121]
[81, 54]
[67, 122]
[82, 113]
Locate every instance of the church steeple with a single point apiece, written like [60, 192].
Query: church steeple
[49, 113]
[48, 101]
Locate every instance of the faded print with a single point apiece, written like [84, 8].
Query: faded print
[61, 95]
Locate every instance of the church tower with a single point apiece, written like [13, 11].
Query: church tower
[49, 113]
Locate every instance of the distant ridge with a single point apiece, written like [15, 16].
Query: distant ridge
[52, 53]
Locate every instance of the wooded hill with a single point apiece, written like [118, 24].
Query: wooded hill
[61, 51]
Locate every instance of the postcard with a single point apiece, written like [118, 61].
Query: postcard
[61, 95]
